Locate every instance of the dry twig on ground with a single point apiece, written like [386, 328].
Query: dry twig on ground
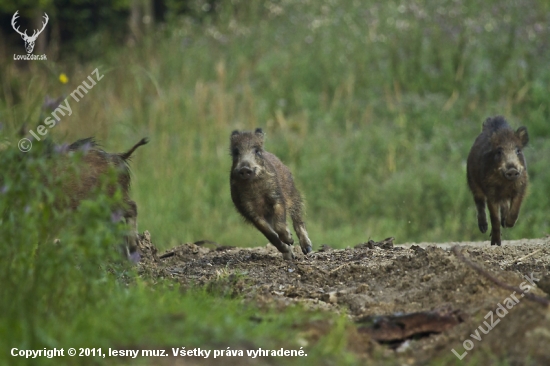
[498, 282]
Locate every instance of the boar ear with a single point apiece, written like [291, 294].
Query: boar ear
[259, 132]
[234, 133]
[523, 136]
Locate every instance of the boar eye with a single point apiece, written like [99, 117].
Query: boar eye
[258, 151]
[518, 151]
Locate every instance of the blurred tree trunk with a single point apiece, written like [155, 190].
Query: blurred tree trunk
[3, 45]
[141, 19]
[54, 42]
[41, 42]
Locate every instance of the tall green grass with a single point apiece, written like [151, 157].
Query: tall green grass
[374, 107]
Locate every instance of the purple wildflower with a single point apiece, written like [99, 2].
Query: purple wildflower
[86, 147]
[116, 216]
[135, 257]
[61, 149]
[50, 103]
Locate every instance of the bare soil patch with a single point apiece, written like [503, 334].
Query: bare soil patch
[377, 283]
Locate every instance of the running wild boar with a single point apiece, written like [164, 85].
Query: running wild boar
[497, 174]
[263, 191]
[97, 163]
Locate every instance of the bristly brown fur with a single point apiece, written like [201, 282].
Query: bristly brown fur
[263, 191]
[89, 141]
[497, 174]
[97, 163]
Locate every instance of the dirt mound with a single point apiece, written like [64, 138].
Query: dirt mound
[374, 281]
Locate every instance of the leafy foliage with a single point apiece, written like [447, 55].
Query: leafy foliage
[51, 258]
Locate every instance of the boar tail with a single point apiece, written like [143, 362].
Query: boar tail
[127, 154]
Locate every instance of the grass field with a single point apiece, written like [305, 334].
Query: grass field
[373, 106]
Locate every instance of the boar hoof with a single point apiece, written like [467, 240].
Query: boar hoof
[306, 250]
[505, 222]
[509, 222]
[483, 226]
[288, 256]
[286, 237]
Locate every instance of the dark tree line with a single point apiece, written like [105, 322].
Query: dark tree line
[77, 27]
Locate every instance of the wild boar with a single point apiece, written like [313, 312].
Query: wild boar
[95, 163]
[263, 191]
[497, 174]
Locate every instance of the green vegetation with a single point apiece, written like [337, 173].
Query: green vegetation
[373, 106]
[64, 285]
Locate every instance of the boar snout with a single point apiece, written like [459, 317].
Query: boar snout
[246, 173]
[512, 173]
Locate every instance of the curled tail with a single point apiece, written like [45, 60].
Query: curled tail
[127, 154]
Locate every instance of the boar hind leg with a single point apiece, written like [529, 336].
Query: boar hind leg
[300, 228]
[132, 239]
[515, 205]
[266, 229]
[481, 215]
[495, 223]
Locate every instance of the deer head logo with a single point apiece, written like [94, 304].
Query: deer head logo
[29, 41]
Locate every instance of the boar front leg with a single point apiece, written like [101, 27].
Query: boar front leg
[261, 224]
[504, 212]
[495, 222]
[514, 210]
[300, 228]
[131, 249]
[481, 215]
[280, 225]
